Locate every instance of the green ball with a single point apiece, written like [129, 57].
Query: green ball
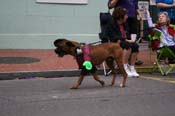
[88, 65]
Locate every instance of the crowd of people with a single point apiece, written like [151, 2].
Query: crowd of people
[123, 27]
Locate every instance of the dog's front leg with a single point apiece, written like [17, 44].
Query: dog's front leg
[75, 86]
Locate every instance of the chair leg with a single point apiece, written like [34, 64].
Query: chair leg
[104, 69]
[153, 69]
[160, 68]
[110, 71]
[171, 67]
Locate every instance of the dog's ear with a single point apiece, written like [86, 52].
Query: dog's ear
[58, 41]
[70, 44]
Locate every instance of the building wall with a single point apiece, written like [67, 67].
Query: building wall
[25, 24]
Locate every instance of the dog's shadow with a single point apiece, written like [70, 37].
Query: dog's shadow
[89, 83]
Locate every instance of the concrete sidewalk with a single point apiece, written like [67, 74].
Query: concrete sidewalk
[26, 63]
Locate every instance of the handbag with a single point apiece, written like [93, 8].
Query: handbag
[105, 17]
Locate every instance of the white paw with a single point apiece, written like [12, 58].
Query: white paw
[121, 85]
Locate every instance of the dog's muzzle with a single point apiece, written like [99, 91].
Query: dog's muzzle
[60, 52]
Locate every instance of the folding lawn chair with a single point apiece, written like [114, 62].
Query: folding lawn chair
[161, 54]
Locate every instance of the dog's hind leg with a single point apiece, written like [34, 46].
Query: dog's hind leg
[75, 86]
[110, 64]
[119, 61]
[98, 79]
[113, 79]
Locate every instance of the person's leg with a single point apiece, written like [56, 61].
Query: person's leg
[133, 58]
[126, 55]
[133, 29]
[132, 66]
[133, 25]
[134, 53]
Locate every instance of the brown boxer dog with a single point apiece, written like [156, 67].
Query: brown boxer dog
[98, 53]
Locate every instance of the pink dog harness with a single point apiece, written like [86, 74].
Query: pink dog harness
[84, 58]
[86, 52]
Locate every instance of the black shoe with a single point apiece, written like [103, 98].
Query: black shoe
[138, 62]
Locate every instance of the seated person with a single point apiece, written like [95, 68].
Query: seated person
[167, 31]
[117, 30]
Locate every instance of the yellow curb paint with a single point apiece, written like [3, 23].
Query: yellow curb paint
[159, 79]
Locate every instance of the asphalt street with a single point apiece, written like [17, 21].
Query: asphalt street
[149, 95]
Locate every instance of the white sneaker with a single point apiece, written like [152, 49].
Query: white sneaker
[128, 71]
[134, 73]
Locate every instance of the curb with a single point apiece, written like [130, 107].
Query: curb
[54, 73]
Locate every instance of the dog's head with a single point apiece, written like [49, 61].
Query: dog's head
[65, 47]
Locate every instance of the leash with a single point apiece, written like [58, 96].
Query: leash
[93, 43]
